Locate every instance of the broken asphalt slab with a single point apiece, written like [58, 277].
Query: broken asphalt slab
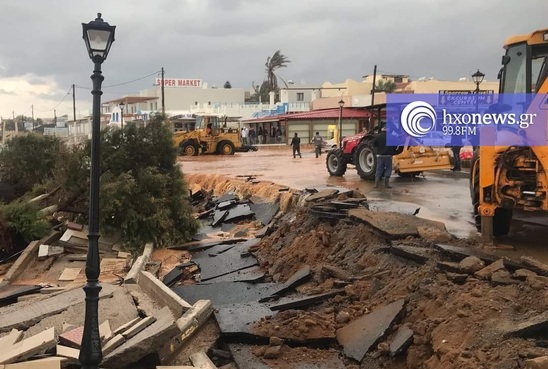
[296, 303]
[359, 336]
[340, 190]
[253, 274]
[236, 321]
[418, 255]
[223, 293]
[264, 212]
[458, 253]
[531, 328]
[402, 340]
[238, 212]
[231, 261]
[205, 244]
[300, 276]
[393, 225]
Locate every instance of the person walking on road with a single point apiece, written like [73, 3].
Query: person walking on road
[296, 144]
[384, 158]
[456, 145]
[318, 141]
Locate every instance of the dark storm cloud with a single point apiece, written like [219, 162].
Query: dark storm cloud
[219, 40]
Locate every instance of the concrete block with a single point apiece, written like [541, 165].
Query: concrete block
[193, 318]
[200, 360]
[139, 265]
[163, 295]
[68, 352]
[149, 340]
[29, 347]
[124, 255]
[46, 250]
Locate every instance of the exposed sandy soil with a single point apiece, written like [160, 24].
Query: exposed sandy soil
[454, 325]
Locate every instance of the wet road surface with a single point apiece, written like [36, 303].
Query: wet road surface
[440, 195]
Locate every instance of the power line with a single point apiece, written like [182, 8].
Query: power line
[123, 83]
[55, 107]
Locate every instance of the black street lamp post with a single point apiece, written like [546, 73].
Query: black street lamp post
[478, 79]
[98, 36]
[341, 106]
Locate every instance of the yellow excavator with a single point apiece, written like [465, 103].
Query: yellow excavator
[507, 178]
[207, 134]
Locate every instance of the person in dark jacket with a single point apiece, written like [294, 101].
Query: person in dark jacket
[384, 158]
[296, 144]
[456, 145]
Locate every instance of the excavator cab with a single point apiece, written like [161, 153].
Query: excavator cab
[505, 178]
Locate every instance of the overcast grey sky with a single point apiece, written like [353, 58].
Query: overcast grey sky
[42, 52]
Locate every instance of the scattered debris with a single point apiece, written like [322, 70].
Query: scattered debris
[359, 336]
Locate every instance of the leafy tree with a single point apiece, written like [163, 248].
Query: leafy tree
[21, 223]
[227, 84]
[142, 192]
[273, 63]
[385, 85]
[28, 160]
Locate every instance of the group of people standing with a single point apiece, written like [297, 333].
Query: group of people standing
[261, 135]
[296, 144]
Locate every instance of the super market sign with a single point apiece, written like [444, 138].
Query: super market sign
[179, 82]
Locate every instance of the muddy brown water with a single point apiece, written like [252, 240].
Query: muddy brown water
[441, 195]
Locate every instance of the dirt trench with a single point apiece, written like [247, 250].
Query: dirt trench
[458, 320]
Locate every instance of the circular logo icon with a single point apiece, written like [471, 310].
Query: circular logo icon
[418, 118]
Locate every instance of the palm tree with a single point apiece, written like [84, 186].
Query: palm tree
[385, 85]
[273, 63]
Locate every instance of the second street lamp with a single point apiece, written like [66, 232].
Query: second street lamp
[478, 79]
[341, 106]
[122, 105]
[98, 36]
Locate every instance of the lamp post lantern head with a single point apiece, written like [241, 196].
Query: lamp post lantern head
[478, 77]
[341, 103]
[98, 36]
[122, 105]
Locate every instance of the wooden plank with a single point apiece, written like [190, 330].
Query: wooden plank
[105, 333]
[29, 347]
[11, 339]
[113, 344]
[138, 327]
[126, 326]
[68, 352]
[69, 274]
[200, 360]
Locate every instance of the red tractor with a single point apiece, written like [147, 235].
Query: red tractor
[359, 151]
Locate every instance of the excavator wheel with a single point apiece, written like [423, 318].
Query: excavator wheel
[503, 216]
[226, 148]
[366, 160]
[336, 163]
[189, 149]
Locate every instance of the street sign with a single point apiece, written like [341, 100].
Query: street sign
[464, 98]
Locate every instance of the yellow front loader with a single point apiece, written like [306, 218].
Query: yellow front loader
[505, 178]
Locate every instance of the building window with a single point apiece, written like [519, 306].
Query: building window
[398, 79]
[300, 96]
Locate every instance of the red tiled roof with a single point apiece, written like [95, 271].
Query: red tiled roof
[347, 113]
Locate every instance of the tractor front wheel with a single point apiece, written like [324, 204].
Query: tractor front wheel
[336, 163]
[366, 160]
[189, 149]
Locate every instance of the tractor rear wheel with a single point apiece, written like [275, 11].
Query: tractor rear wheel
[226, 148]
[366, 160]
[336, 163]
[503, 216]
[189, 149]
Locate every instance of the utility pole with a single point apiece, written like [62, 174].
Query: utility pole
[373, 90]
[32, 112]
[3, 131]
[14, 122]
[73, 104]
[163, 97]
[55, 117]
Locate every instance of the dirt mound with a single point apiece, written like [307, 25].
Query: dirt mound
[220, 185]
[458, 319]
